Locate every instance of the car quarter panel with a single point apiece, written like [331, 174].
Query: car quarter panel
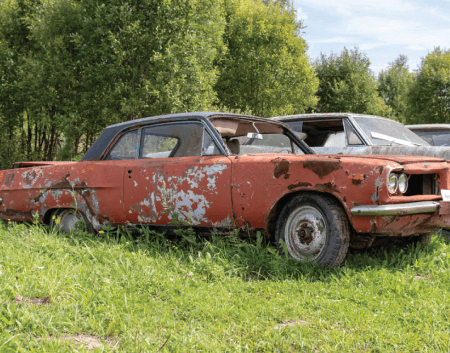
[95, 188]
[259, 181]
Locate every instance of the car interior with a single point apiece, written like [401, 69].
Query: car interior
[325, 133]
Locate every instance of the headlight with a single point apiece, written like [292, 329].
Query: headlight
[392, 183]
[403, 183]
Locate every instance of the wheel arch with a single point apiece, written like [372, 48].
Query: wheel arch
[271, 219]
[69, 199]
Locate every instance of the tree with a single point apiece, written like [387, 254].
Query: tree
[71, 67]
[346, 84]
[265, 69]
[393, 86]
[16, 47]
[429, 96]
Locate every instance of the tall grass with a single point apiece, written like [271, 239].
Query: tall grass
[151, 293]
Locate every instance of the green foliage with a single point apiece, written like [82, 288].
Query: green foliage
[265, 69]
[393, 86]
[15, 49]
[346, 84]
[429, 96]
[73, 67]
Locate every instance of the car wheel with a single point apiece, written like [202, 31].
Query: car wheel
[423, 240]
[314, 228]
[70, 220]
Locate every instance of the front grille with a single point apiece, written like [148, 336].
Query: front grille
[422, 184]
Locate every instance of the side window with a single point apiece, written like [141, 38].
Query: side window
[352, 138]
[209, 146]
[320, 133]
[172, 140]
[157, 146]
[126, 147]
[335, 139]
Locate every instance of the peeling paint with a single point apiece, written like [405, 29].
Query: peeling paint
[324, 168]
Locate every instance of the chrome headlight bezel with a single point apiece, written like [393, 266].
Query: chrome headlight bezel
[402, 182]
[392, 183]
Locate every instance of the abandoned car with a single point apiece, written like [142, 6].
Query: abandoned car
[358, 134]
[194, 165]
[434, 134]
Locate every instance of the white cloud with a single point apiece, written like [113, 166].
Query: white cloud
[350, 7]
[397, 32]
[438, 13]
[369, 46]
[332, 40]
[300, 14]
[383, 28]
[416, 47]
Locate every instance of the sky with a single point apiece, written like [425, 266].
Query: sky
[382, 29]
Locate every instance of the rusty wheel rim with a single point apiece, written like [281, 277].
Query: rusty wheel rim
[69, 219]
[305, 233]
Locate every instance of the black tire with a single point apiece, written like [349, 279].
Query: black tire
[69, 220]
[423, 240]
[314, 228]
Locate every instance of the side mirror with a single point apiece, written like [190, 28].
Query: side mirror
[252, 136]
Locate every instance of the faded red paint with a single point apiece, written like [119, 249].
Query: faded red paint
[218, 191]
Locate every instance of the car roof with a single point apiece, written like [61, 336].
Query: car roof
[325, 115]
[428, 127]
[110, 132]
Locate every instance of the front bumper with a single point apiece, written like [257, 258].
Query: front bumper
[397, 209]
[401, 219]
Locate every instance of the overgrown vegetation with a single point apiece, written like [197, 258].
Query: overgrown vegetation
[214, 294]
[69, 68]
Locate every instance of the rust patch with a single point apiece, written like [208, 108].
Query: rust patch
[445, 208]
[327, 187]
[281, 168]
[299, 185]
[304, 234]
[139, 210]
[29, 177]
[247, 226]
[9, 179]
[64, 183]
[358, 178]
[322, 169]
[380, 169]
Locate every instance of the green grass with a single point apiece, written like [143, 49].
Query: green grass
[216, 295]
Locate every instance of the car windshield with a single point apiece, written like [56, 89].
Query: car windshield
[388, 132]
[435, 137]
[255, 137]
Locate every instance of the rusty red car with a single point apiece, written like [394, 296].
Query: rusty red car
[198, 166]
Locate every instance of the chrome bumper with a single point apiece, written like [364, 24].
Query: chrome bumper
[396, 209]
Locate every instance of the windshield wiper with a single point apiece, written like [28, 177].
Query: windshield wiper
[393, 139]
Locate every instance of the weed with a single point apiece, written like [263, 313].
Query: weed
[150, 293]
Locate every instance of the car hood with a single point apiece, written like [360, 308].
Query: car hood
[404, 159]
[383, 152]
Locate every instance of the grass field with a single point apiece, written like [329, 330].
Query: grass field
[107, 293]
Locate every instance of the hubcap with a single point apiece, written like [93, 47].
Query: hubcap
[305, 233]
[68, 220]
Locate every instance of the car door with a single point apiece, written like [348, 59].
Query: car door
[179, 174]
